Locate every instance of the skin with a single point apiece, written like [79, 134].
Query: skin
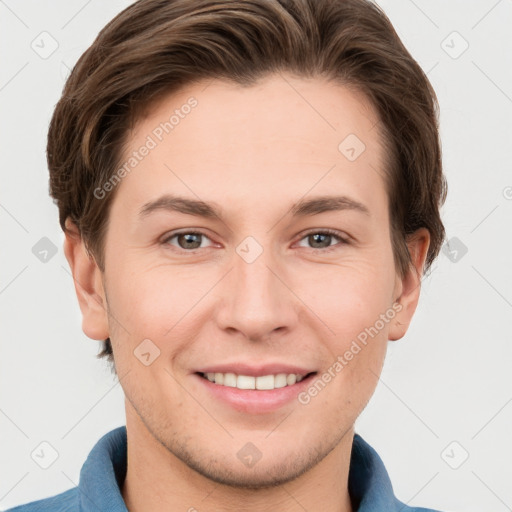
[254, 151]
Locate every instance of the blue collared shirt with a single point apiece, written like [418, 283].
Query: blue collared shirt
[104, 471]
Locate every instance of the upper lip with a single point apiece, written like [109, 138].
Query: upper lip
[255, 370]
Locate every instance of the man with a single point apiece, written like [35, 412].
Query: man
[250, 193]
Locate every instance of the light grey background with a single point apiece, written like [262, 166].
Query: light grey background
[446, 388]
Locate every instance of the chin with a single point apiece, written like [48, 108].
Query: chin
[267, 475]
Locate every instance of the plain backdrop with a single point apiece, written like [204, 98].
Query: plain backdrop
[441, 417]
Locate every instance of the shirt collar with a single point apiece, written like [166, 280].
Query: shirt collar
[104, 471]
[103, 474]
[369, 485]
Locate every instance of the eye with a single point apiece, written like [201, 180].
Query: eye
[321, 240]
[187, 240]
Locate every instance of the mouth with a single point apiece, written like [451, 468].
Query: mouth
[263, 392]
[258, 383]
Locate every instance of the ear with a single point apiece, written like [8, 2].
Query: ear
[407, 289]
[88, 284]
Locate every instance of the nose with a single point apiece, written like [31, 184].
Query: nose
[256, 301]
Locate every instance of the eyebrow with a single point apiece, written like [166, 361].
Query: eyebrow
[199, 208]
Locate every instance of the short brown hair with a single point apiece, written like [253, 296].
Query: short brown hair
[156, 47]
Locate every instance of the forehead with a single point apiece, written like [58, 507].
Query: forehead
[284, 136]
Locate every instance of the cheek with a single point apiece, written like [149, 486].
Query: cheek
[163, 302]
[149, 303]
[350, 298]
[356, 305]
[157, 304]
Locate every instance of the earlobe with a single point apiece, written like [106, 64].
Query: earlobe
[410, 285]
[88, 284]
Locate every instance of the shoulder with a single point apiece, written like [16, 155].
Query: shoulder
[99, 481]
[370, 487]
[66, 501]
[405, 508]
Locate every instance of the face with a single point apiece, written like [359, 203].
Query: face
[283, 279]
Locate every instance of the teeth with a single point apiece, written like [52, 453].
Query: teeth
[265, 382]
[245, 382]
[280, 380]
[230, 380]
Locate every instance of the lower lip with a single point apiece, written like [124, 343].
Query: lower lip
[254, 401]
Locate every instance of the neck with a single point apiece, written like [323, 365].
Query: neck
[157, 480]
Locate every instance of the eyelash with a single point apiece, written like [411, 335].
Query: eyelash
[342, 240]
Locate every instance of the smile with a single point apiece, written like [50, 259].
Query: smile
[263, 382]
